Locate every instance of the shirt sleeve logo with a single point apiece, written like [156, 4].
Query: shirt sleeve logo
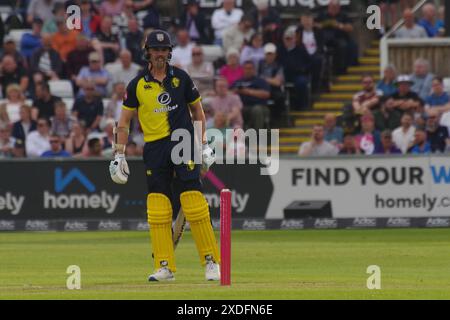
[164, 99]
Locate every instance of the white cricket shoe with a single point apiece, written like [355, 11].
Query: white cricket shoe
[212, 270]
[163, 274]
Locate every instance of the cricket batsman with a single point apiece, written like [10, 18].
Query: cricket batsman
[166, 99]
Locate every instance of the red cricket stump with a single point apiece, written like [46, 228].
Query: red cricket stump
[225, 237]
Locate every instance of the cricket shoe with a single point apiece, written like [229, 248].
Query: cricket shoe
[212, 270]
[162, 274]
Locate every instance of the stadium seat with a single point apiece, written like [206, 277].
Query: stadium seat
[16, 35]
[212, 52]
[61, 88]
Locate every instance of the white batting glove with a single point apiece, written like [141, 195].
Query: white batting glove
[118, 168]
[208, 157]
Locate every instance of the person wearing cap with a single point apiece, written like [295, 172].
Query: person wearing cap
[232, 71]
[194, 20]
[253, 51]
[422, 78]
[31, 41]
[95, 73]
[64, 40]
[404, 100]
[296, 63]
[387, 145]
[236, 36]
[47, 60]
[272, 72]
[224, 18]
[166, 99]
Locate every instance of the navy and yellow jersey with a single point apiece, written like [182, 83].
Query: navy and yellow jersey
[162, 107]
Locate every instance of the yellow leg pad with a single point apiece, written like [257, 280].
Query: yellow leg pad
[196, 210]
[159, 211]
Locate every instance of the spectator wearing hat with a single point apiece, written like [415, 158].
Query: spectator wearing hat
[24, 125]
[42, 9]
[44, 104]
[404, 135]
[47, 60]
[64, 40]
[438, 136]
[12, 73]
[37, 142]
[88, 107]
[79, 57]
[59, 12]
[405, 100]
[201, 71]
[95, 73]
[107, 42]
[194, 20]
[56, 148]
[254, 51]
[387, 145]
[318, 146]
[272, 72]
[6, 141]
[232, 71]
[31, 41]
[224, 18]
[133, 41]
[420, 143]
[297, 66]
[236, 36]
[422, 78]
[369, 138]
[312, 39]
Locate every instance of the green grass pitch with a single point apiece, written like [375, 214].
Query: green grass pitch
[415, 264]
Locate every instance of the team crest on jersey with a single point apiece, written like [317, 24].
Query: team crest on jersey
[175, 82]
[164, 99]
[190, 165]
[160, 37]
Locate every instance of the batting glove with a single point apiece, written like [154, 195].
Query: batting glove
[208, 157]
[118, 168]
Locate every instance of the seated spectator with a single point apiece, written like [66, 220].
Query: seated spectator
[10, 49]
[95, 73]
[369, 139]
[6, 141]
[44, 104]
[90, 19]
[42, 9]
[420, 144]
[114, 107]
[232, 71]
[76, 141]
[59, 12]
[387, 117]
[224, 18]
[297, 66]
[350, 146]
[236, 36]
[31, 41]
[422, 78]
[133, 41]
[106, 42]
[89, 108]
[108, 139]
[11, 73]
[312, 39]
[404, 136]
[410, 30]
[94, 148]
[272, 71]
[38, 141]
[201, 71]
[112, 7]
[182, 53]
[254, 51]
[430, 21]
[78, 58]
[333, 133]
[387, 145]
[267, 21]
[64, 40]
[445, 120]
[56, 149]
[317, 147]
[438, 136]
[438, 99]
[152, 18]
[133, 150]
[387, 84]
[194, 20]
[24, 125]
[367, 100]
[404, 100]
[337, 30]
[61, 123]
[228, 103]
[10, 109]
[254, 93]
[47, 60]
[19, 152]
[124, 70]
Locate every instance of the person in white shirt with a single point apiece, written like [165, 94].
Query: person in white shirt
[10, 110]
[122, 71]
[38, 141]
[403, 136]
[182, 53]
[224, 18]
[237, 35]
